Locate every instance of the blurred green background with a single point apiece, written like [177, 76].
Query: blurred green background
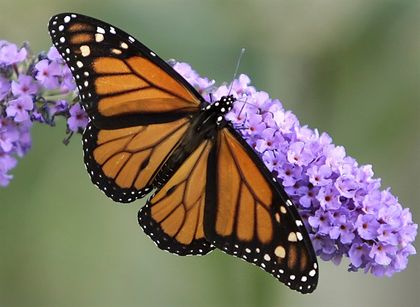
[351, 68]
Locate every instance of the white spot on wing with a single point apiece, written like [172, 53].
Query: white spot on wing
[292, 237]
[99, 37]
[85, 50]
[280, 251]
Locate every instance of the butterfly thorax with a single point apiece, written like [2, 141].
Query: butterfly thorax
[217, 110]
[204, 125]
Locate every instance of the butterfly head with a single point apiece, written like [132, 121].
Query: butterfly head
[221, 107]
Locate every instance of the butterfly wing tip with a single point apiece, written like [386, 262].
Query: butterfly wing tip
[54, 20]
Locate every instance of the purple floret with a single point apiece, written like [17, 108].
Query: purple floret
[78, 119]
[10, 54]
[19, 108]
[24, 86]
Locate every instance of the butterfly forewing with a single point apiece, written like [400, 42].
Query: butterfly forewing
[174, 216]
[248, 216]
[121, 82]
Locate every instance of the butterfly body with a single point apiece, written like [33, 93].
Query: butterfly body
[151, 130]
[203, 126]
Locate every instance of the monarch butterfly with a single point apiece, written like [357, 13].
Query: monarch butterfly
[151, 130]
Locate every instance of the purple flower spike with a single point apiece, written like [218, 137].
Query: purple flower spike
[340, 202]
[30, 91]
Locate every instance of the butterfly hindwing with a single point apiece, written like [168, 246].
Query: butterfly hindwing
[124, 162]
[249, 216]
[174, 216]
[121, 82]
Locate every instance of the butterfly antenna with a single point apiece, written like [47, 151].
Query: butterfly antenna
[236, 69]
[245, 102]
[243, 106]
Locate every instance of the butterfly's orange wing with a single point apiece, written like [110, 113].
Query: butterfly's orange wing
[174, 217]
[249, 216]
[124, 162]
[121, 82]
[138, 105]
